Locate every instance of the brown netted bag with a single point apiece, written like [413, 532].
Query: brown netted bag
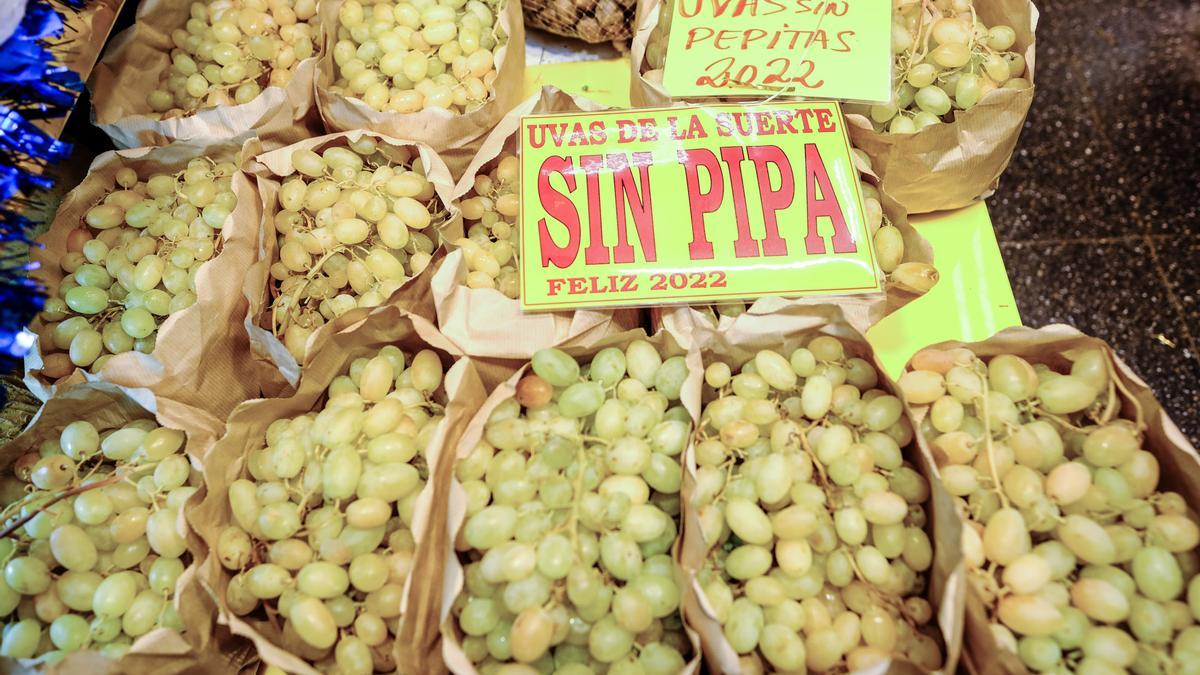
[589, 20]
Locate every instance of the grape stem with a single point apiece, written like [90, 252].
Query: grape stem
[77, 490]
[1137, 405]
[987, 435]
[1058, 419]
[572, 522]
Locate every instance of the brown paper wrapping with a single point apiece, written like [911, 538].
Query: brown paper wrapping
[450, 492]
[485, 322]
[1179, 463]
[139, 55]
[161, 651]
[950, 165]
[463, 386]
[199, 354]
[783, 328]
[453, 136]
[277, 368]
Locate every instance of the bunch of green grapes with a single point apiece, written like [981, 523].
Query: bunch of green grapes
[350, 232]
[946, 59]
[572, 507]
[1085, 565]
[93, 547]
[230, 49]
[413, 55]
[322, 528]
[816, 521]
[133, 262]
[490, 247]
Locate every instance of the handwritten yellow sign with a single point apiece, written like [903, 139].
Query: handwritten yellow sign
[642, 207]
[835, 49]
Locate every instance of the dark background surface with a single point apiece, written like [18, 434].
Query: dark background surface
[1097, 215]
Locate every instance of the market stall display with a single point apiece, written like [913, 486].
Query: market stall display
[302, 413]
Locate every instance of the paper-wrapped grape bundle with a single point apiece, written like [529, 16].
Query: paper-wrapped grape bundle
[1080, 537]
[963, 77]
[143, 263]
[313, 510]
[93, 539]
[355, 218]
[476, 289]
[569, 483]
[812, 545]
[442, 73]
[134, 261]
[210, 69]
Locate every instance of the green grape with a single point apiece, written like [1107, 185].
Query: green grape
[115, 594]
[540, 461]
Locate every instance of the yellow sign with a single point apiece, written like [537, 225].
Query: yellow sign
[836, 49]
[642, 207]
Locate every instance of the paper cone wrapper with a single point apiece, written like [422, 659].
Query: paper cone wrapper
[139, 58]
[950, 165]
[200, 354]
[162, 651]
[278, 369]
[462, 391]
[784, 329]
[455, 137]
[450, 492]
[1057, 346]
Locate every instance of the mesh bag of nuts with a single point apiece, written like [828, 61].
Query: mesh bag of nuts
[588, 20]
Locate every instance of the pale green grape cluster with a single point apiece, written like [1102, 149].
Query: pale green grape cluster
[490, 247]
[410, 55]
[95, 545]
[133, 262]
[228, 50]
[946, 60]
[351, 229]
[815, 519]
[1085, 565]
[322, 528]
[572, 509]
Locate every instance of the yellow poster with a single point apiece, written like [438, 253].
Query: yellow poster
[643, 207]
[834, 49]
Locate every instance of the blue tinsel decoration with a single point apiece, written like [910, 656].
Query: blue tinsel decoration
[33, 85]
